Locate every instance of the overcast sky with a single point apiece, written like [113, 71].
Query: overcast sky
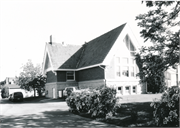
[26, 25]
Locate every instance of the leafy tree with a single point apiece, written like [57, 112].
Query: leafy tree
[159, 25]
[3, 82]
[149, 65]
[5, 92]
[31, 78]
[38, 83]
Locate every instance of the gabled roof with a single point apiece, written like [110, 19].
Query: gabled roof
[75, 57]
[97, 49]
[63, 56]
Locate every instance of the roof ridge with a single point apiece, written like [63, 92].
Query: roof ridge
[107, 32]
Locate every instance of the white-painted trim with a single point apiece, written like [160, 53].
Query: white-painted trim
[46, 53]
[56, 83]
[92, 66]
[123, 80]
[92, 81]
[73, 75]
[126, 30]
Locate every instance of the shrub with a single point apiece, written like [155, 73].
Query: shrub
[96, 103]
[166, 111]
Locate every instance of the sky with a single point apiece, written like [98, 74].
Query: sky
[26, 26]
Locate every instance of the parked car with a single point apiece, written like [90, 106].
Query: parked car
[16, 96]
[68, 90]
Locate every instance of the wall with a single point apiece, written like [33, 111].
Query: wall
[110, 70]
[61, 86]
[95, 73]
[49, 89]
[140, 88]
[61, 76]
[93, 84]
[51, 77]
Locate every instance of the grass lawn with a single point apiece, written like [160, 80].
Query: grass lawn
[135, 111]
[133, 115]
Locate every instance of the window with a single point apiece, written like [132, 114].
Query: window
[118, 71]
[125, 71]
[119, 88]
[168, 76]
[129, 45]
[127, 89]
[125, 60]
[132, 60]
[132, 71]
[125, 64]
[70, 75]
[118, 60]
[134, 89]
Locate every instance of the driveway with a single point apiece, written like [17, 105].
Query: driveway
[46, 113]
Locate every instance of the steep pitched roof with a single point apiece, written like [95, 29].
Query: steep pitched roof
[97, 49]
[63, 56]
[91, 53]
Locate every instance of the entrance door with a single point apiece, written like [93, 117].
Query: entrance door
[54, 93]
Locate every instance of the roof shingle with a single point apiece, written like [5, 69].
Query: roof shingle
[91, 53]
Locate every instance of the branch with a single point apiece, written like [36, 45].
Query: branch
[174, 14]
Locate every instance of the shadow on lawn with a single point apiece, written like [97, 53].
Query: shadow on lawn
[135, 114]
[50, 119]
[31, 100]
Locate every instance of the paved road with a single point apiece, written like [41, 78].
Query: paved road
[42, 114]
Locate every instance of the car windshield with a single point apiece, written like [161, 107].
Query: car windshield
[17, 93]
[69, 89]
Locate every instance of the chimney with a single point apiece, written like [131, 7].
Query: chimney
[50, 39]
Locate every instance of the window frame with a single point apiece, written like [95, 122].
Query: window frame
[70, 75]
[131, 62]
[129, 65]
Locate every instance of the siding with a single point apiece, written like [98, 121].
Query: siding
[90, 74]
[61, 76]
[110, 70]
[51, 77]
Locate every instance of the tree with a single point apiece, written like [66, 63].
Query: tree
[38, 83]
[5, 92]
[149, 65]
[3, 82]
[159, 25]
[31, 78]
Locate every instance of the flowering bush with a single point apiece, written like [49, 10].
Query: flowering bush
[167, 109]
[97, 103]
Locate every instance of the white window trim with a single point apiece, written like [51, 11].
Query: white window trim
[128, 65]
[72, 79]
[135, 89]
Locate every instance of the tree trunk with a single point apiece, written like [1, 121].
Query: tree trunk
[34, 92]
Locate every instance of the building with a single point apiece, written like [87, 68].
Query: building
[107, 60]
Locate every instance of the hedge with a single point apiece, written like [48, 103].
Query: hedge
[96, 103]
